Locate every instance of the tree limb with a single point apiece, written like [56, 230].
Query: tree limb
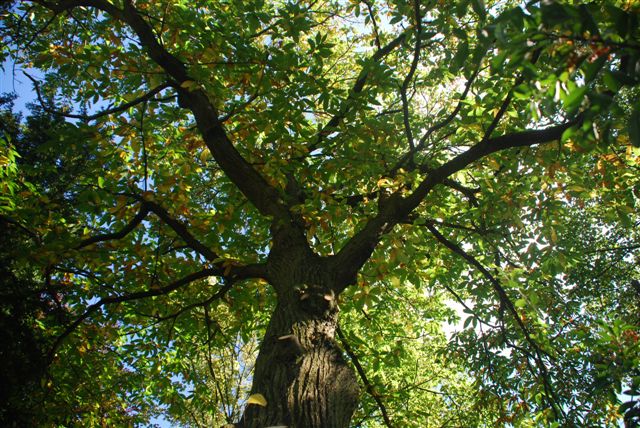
[16, 223]
[135, 221]
[486, 147]
[182, 231]
[409, 77]
[372, 16]
[127, 298]
[396, 208]
[358, 86]
[146, 97]
[242, 106]
[507, 100]
[228, 270]
[507, 303]
[444, 122]
[363, 376]
[249, 181]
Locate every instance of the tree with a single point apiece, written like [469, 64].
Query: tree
[255, 168]
[39, 166]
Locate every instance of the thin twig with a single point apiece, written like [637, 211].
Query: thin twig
[506, 301]
[146, 97]
[409, 77]
[110, 300]
[372, 16]
[363, 375]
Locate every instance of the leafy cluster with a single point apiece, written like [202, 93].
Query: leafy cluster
[479, 156]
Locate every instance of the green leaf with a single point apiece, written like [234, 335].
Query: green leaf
[460, 57]
[591, 69]
[520, 303]
[574, 98]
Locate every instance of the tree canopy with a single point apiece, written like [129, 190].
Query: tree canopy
[321, 213]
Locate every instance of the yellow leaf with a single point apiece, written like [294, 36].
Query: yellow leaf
[204, 155]
[257, 399]
[385, 182]
[189, 85]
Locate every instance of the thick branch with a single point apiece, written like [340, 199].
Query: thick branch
[485, 148]
[264, 196]
[396, 208]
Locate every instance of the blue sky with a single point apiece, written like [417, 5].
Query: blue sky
[12, 80]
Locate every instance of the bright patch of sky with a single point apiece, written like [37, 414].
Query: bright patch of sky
[13, 81]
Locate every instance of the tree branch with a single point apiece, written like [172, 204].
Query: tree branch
[219, 294]
[177, 226]
[507, 303]
[146, 97]
[372, 16]
[225, 267]
[127, 298]
[182, 231]
[484, 148]
[16, 223]
[363, 376]
[135, 221]
[242, 106]
[396, 208]
[507, 100]
[409, 77]
[228, 268]
[444, 122]
[265, 197]
[358, 86]
[468, 192]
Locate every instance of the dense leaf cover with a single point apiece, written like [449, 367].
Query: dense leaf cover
[470, 161]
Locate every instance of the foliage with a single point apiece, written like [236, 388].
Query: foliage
[482, 155]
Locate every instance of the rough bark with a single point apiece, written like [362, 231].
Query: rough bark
[301, 373]
[300, 369]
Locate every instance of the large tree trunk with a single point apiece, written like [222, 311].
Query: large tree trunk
[300, 369]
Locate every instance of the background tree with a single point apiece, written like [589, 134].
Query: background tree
[245, 174]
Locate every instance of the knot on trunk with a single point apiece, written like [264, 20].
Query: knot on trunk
[317, 300]
[289, 347]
